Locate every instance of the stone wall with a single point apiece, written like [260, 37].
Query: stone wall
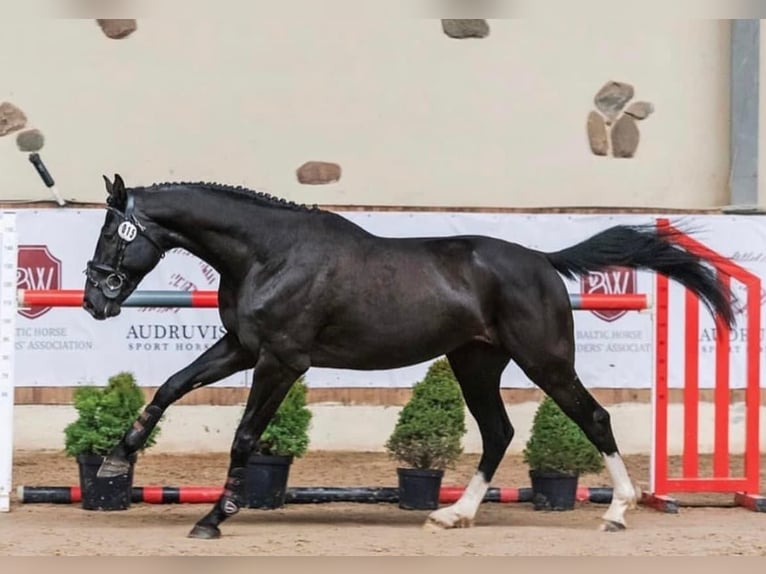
[497, 113]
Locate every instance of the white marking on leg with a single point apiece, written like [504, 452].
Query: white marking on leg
[462, 513]
[623, 492]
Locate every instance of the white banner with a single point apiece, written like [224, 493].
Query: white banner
[66, 347]
[8, 239]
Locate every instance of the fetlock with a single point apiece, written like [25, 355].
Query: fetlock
[136, 436]
[233, 493]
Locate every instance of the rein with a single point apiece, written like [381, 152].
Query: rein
[129, 229]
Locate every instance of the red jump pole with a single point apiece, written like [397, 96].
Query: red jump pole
[143, 298]
[50, 298]
[209, 299]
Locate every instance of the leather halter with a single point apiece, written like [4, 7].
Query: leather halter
[113, 277]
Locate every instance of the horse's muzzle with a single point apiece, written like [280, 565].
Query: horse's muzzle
[101, 312]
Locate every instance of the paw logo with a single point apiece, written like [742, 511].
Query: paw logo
[614, 128]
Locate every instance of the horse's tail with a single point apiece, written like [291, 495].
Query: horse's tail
[650, 248]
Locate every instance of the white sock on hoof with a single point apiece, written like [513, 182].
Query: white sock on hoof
[462, 513]
[623, 492]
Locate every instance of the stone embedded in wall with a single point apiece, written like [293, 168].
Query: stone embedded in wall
[30, 140]
[615, 124]
[625, 137]
[465, 28]
[640, 110]
[118, 29]
[611, 99]
[318, 173]
[597, 134]
[12, 119]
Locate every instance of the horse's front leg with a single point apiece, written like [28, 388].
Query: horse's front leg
[224, 358]
[272, 380]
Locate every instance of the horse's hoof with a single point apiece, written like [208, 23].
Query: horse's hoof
[435, 523]
[431, 525]
[612, 526]
[112, 467]
[203, 532]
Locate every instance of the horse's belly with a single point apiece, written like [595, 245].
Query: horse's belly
[391, 344]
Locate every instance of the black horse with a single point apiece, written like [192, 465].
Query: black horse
[300, 286]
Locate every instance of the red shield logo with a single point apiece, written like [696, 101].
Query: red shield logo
[37, 269]
[611, 281]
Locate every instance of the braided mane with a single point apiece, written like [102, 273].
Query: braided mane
[240, 191]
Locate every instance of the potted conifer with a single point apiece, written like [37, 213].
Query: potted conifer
[285, 438]
[557, 452]
[427, 437]
[104, 414]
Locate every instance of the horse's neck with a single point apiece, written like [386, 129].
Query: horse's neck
[225, 232]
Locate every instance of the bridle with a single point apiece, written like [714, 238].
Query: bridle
[113, 277]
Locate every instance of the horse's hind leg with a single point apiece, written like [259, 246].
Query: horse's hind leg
[561, 383]
[478, 367]
[543, 346]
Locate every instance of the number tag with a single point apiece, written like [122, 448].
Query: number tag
[127, 231]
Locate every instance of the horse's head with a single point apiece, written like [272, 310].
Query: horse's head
[125, 253]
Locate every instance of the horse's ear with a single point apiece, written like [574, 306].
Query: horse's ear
[109, 186]
[119, 195]
[118, 181]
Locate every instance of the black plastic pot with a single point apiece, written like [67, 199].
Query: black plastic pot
[419, 488]
[553, 490]
[266, 481]
[104, 493]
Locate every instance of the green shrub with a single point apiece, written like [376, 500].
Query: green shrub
[104, 415]
[557, 444]
[430, 426]
[288, 432]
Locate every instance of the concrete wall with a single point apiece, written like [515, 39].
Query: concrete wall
[366, 428]
[412, 116]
